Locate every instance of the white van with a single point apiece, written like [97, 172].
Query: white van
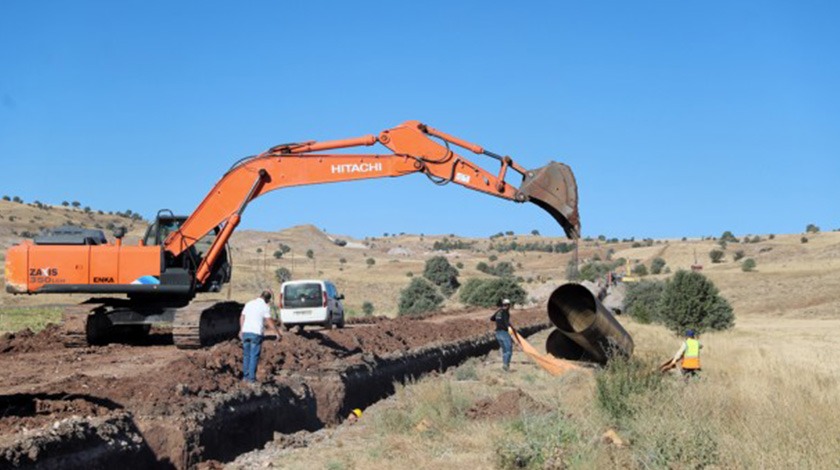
[310, 302]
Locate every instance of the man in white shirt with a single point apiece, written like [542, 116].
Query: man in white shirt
[255, 316]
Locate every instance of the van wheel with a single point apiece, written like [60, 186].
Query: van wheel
[328, 324]
[340, 323]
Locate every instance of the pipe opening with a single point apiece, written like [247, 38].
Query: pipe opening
[571, 308]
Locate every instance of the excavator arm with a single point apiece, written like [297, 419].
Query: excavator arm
[414, 150]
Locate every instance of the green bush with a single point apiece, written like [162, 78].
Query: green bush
[716, 256]
[278, 254]
[370, 262]
[503, 269]
[282, 275]
[489, 292]
[729, 237]
[738, 255]
[657, 265]
[690, 300]
[811, 228]
[442, 274]
[536, 442]
[367, 308]
[748, 265]
[593, 270]
[310, 254]
[642, 300]
[419, 297]
[640, 270]
[804, 239]
[618, 385]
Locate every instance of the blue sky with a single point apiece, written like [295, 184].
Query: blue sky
[678, 118]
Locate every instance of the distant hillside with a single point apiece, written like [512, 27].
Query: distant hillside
[791, 277]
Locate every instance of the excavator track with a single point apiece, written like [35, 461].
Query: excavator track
[84, 324]
[205, 322]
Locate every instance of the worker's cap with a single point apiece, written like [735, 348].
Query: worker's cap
[505, 301]
[690, 333]
[357, 412]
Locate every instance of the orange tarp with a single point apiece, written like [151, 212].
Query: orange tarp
[553, 365]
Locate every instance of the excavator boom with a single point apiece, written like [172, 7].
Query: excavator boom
[551, 187]
[163, 274]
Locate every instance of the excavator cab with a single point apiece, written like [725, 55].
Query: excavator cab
[165, 223]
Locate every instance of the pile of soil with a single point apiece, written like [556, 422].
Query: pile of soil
[28, 341]
[159, 384]
[508, 404]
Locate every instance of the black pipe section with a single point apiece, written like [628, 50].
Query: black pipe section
[579, 316]
[559, 345]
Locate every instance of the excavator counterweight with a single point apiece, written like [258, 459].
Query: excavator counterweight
[182, 256]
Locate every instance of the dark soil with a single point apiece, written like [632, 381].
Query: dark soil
[159, 385]
[508, 404]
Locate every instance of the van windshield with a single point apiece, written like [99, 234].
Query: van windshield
[302, 295]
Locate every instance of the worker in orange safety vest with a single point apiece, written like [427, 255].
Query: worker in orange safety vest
[689, 352]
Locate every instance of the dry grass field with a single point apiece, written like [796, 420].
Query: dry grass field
[768, 397]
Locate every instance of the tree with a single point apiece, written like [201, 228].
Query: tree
[811, 228]
[748, 265]
[729, 237]
[419, 296]
[442, 274]
[503, 269]
[284, 248]
[310, 254]
[738, 255]
[367, 308]
[370, 262]
[535, 233]
[17, 199]
[691, 301]
[640, 270]
[657, 265]
[7, 198]
[278, 254]
[489, 292]
[642, 300]
[716, 256]
[65, 203]
[75, 203]
[283, 275]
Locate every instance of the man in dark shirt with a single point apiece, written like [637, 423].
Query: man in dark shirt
[502, 319]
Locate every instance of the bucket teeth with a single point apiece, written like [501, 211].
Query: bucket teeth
[553, 188]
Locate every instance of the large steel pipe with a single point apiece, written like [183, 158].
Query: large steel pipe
[578, 314]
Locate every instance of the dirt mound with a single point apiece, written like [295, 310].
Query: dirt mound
[21, 412]
[507, 405]
[29, 341]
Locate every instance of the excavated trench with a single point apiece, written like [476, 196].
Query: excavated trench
[170, 409]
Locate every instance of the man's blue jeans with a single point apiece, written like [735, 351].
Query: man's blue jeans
[506, 343]
[251, 346]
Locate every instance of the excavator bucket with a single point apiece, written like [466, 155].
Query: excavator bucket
[553, 188]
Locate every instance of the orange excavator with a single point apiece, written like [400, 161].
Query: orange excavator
[182, 256]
